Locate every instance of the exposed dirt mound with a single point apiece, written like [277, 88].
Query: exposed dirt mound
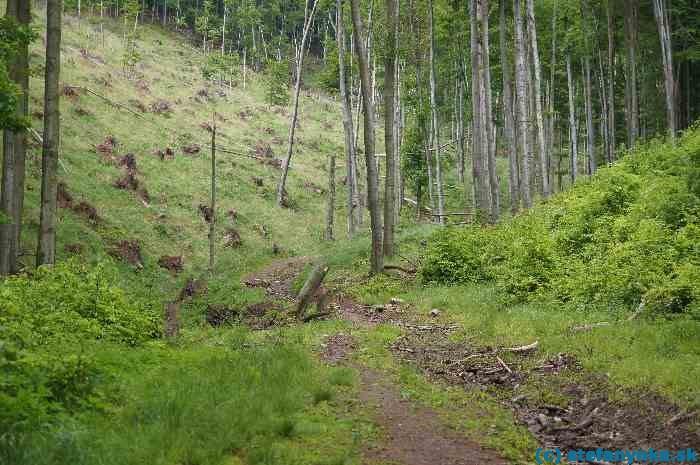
[172, 263]
[70, 92]
[88, 211]
[232, 238]
[191, 149]
[206, 212]
[193, 288]
[129, 161]
[65, 199]
[80, 111]
[127, 182]
[106, 148]
[220, 315]
[128, 251]
[264, 150]
[161, 107]
[164, 154]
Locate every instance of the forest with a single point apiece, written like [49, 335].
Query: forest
[349, 231]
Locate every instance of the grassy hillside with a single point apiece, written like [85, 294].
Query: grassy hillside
[174, 101]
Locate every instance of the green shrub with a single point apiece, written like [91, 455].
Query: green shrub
[277, 92]
[49, 325]
[627, 235]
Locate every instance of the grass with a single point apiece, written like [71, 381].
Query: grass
[264, 402]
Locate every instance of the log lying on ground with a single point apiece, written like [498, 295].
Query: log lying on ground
[313, 282]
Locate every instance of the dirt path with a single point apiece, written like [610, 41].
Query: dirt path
[411, 434]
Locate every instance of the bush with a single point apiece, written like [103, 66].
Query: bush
[49, 324]
[277, 92]
[628, 235]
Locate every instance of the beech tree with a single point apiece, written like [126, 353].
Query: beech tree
[14, 84]
[46, 248]
[376, 259]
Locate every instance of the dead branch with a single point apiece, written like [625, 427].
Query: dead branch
[525, 348]
[588, 327]
[400, 268]
[503, 364]
[111, 102]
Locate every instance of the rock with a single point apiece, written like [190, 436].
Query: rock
[396, 301]
[435, 313]
[542, 420]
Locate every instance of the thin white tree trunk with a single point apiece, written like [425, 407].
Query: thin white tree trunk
[664, 26]
[508, 120]
[522, 117]
[537, 86]
[308, 20]
[434, 112]
[572, 121]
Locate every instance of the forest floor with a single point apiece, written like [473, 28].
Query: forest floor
[412, 382]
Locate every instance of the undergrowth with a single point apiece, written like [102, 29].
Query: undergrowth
[628, 235]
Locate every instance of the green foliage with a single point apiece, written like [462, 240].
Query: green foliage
[219, 67]
[48, 322]
[205, 404]
[626, 236]
[277, 83]
[12, 38]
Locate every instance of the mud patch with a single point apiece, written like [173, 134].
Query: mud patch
[173, 263]
[128, 251]
[65, 199]
[161, 107]
[129, 161]
[414, 434]
[73, 249]
[191, 149]
[87, 211]
[220, 315]
[164, 154]
[232, 238]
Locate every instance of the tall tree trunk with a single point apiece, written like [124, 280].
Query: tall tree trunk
[590, 127]
[435, 145]
[376, 261]
[308, 21]
[508, 122]
[537, 86]
[480, 174]
[572, 121]
[46, 249]
[611, 84]
[631, 93]
[664, 26]
[349, 130]
[522, 117]
[495, 204]
[392, 20]
[552, 87]
[330, 213]
[14, 149]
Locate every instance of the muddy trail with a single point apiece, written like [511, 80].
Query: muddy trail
[414, 434]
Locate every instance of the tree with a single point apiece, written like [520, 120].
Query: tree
[46, 249]
[15, 89]
[664, 26]
[508, 121]
[348, 129]
[330, 212]
[376, 260]
[573, 129]
[301, 50]
[522, 116]
[537, 85]
[392, 18]
[631, 93]
[435, 133]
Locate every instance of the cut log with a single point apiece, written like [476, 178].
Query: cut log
[313, 282]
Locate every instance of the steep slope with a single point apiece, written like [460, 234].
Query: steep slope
[159, 114]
